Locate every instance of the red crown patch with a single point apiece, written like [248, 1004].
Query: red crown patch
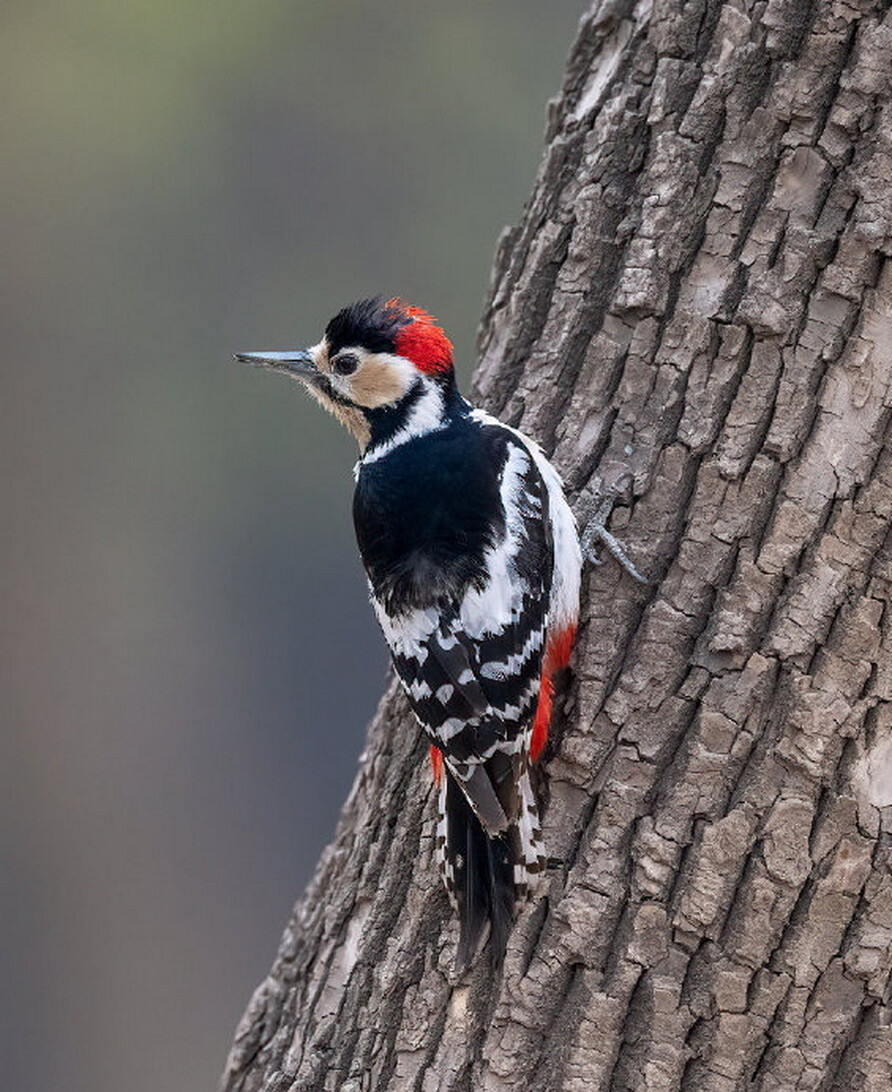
[421, 340]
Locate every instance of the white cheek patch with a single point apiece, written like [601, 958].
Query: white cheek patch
[380, 379]
[397, 365]
[340, 385]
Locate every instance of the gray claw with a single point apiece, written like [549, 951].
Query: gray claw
[595, 515]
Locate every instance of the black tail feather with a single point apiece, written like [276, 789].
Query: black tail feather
[480, 874]
[500, 869]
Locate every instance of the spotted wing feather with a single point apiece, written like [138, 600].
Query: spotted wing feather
[471, 664]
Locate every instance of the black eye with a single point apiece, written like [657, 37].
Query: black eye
[345, 364]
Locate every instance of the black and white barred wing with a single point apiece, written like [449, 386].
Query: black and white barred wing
[471, 668]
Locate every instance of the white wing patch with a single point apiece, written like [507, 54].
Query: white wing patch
[564, 605]
[498, 604]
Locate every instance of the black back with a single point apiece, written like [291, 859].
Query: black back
[426, 513]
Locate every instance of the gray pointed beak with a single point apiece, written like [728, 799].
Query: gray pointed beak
[298, 363]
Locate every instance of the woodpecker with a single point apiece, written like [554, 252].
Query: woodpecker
[473, 563]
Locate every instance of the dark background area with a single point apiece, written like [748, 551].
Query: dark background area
[187, 656]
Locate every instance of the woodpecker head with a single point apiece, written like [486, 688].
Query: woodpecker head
[374, 356]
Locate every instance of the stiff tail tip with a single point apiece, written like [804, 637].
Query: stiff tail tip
[485, 875]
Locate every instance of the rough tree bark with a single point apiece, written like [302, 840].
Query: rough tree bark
[700, 294]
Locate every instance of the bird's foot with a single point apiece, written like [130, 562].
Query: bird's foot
[595, 537]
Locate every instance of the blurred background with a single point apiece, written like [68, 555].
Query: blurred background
[188, 657]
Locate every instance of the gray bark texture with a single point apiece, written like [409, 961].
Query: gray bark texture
[699, 298]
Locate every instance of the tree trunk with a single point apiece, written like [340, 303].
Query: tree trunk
[700, 298]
